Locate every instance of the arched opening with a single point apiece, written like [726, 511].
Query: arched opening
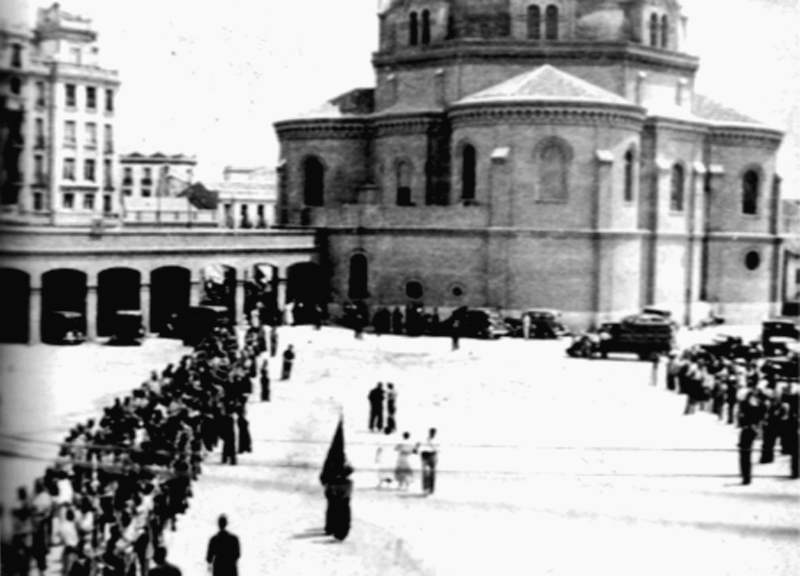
[553, 172]
[262, 292]
[653, 30]
[676, 195]
[534, 23]
[403, 177]
[304, 284]
[63, 290]
[15, 290]
[117, 289]
[413, 30]
[551, 23]
[170, 294]
[468, 172]
[313, 181]
[219, 288]
[426, 27]
[664, 31]
[630, 163]
[750, 185]
[358, 284]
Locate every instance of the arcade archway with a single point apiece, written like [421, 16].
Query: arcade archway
[170, 294]
[15, 288]
[63, 290]
[219, 288]
[117, 289]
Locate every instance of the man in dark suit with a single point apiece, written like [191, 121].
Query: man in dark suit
[223, 551]
[162, 568]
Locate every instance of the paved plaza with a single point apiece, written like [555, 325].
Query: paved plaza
[549, 465]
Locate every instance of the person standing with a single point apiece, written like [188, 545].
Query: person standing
[375, 398]
[223, 551]
[429, 453]
[383, 459]
[288, 361]
[265, 392]
[162, 567]
[749, 419]
[228, 439]
[391, 408]
[403, 472]
[273, 341]
[455, 333]
[245, 441]
[526, 326]
[338, 492]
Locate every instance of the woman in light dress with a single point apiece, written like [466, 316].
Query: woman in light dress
[403, 472]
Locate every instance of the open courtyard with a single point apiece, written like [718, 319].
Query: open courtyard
[548, 465]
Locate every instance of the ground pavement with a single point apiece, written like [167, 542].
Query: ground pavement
[550, 465]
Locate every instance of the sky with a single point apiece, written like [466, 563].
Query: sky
[210, 78]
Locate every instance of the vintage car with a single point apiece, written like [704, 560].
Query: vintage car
[776, 333]
[128, 328]
[476, 323]
[199, 321]
[66, 327]
[646, 335]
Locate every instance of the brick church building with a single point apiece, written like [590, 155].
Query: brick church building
[520, 154]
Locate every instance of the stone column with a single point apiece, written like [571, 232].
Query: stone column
[501, 217]
[195, 288]
[144, 305]
[91, 311]
[241, 283]
[35, 317]
[603, 207]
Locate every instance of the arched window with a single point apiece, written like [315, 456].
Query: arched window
[630, 174]
[551, 23]
[676, 195]
[403, 175]
[426, 27]
[413, 34]
[534, 23]
[313, 181]
[359, 277]
[553, 171]
[653, 30]
[664, 31]
[468, 166]
[750, 184]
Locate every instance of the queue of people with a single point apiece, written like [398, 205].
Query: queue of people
[123, 479]
[741, 388]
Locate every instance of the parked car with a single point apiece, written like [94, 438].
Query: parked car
[128, 328]
[199, 321]
[776, 333]
[477, 323]
[66, 327]
[646, 335]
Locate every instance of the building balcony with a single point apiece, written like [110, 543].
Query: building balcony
[70, 144]
[108, 149]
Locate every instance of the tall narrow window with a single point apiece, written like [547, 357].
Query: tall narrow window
[109, 100]
[38, 170]
[71, 97]
[127, 175]
[534, 23]
[468, 165]
[676, 195]
[426, 27]
[89, 170]
[553, 170]
[750, 184]
[413, 32]
[39, 135]
[108, 177]
[551, 23]
[108, 139]
[403, 183]
[359, 277]
[91, 98]
[313, 182]
[664, 31]
[16, 55]
[653, 30]
[91, 135]
[69, 134]
[40, 95]
[69, 169]
[630, 159]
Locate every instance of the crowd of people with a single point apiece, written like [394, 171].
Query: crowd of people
[123, 479]
[741, 387]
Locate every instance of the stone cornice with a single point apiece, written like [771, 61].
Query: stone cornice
[323, 129]
[534, 53]
[731, 135]
[407, 123]
[571, 113]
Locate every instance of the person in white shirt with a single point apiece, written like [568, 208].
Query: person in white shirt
[429, 453]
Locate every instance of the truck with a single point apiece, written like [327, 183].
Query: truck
[647, 335]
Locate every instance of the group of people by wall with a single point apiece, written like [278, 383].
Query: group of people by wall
[121, 480]
[741, 387]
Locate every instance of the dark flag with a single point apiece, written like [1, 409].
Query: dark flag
[336, 459]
